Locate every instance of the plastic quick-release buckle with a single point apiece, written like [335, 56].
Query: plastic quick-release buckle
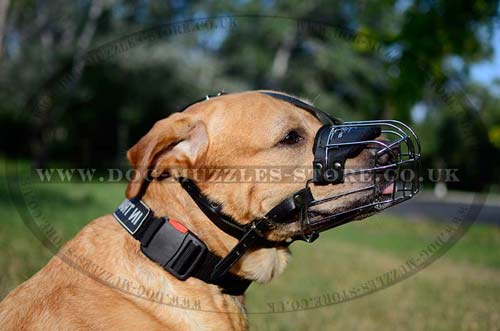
[176, 249]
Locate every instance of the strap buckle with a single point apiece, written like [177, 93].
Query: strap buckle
[176, 249]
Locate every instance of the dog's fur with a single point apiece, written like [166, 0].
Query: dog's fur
[89, 284]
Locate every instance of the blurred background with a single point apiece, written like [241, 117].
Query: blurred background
[82, 81]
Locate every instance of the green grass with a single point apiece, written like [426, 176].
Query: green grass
[460, 291]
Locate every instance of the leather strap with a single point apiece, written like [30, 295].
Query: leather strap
[286, 209]
[250, 235]
[318, 113]
[253, 235]
[281, 213]
[213, 210]
[332, 150]
[323, 117]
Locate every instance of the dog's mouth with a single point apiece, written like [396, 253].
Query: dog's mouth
[316, 218]
[317, 215]
[388, 190]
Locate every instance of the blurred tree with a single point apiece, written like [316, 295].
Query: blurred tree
[4, 6]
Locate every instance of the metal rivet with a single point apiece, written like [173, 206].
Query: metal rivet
[298, 200]
[337, 165]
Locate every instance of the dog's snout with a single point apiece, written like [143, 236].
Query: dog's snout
[388, 153]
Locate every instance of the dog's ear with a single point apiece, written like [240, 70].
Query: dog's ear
[178, 141]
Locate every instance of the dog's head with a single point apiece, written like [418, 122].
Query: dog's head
[248, 152]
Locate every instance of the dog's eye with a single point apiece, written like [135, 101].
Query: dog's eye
[291, 138]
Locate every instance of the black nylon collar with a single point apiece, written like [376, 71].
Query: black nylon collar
[175, 248]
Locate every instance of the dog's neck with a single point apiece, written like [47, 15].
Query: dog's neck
[167, 198]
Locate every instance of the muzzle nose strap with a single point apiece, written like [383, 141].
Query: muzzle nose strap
[333, 146]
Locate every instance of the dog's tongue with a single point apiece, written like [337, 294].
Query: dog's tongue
[388, 189]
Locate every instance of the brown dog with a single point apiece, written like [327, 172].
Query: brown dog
[101, 280]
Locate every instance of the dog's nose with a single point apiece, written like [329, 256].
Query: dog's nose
[388, 155]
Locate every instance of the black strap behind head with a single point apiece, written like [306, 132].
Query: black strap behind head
[205, 98]
[323, 117]
[318, 113]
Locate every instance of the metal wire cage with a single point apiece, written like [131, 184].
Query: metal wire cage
[392, 177]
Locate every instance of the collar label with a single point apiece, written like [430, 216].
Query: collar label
[131, 214]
